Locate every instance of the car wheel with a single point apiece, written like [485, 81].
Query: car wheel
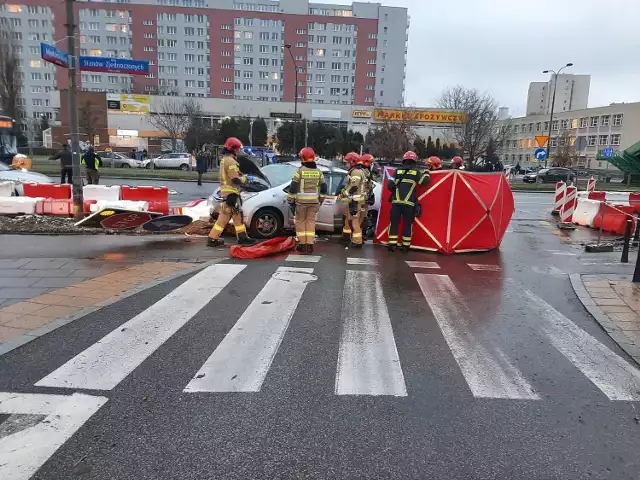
[266, 223]
[184, 167]
[148, 167]
[126, 165]
[540, 180]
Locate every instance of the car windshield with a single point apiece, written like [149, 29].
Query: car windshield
[544, 170]
[5, 168]
[279, 174]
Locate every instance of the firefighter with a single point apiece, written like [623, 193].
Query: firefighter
[305, 196]
[355, 190]
[231, 179]
[367, 162]
[458, 162]
[434, 163]
[404, 199]
[352, 159]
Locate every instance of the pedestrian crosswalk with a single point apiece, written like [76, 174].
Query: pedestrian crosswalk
[368, 360]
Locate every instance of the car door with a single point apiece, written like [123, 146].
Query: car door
[331, 211]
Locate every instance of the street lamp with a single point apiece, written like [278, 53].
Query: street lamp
[553, 104]
[295, 108]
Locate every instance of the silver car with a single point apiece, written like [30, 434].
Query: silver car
[119, 160]
[266, 212]
[19, 176]
[182, 161]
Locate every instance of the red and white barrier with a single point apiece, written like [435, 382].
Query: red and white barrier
[18, 205]
[93, 193]
[569, 205]
[561, 190]
[137, 206]
[47, 190]
[6, 189]
[55, 207]
[157, 197]
[586, 211]
[614, 219]
[591, 185]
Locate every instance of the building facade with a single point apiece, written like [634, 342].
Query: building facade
[572, 93]
[590, 131]
[266, 50]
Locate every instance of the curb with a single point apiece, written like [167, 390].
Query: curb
[151, 179]
[62, 321]
[596, 312]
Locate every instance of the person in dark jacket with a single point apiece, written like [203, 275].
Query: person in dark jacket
[66, 164]
[93, 162]
[201, 165]
[145, 154]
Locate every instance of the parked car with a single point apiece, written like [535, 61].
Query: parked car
[555, 174]
[530, 177]
[20, 176]
[266, 212]
[118, 160]
[183, 161]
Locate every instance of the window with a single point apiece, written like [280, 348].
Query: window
[301, 31]
[247, 61]
[226, 26]
[274, 36]
[301, 45]
[275, 62]
[148, 49]
[538, 125]
[189, 57]
[564, 124]
[226, 53]
[554, 142]
[370, 87]
[96, 78]
[35, 64]
[124, 28]
[371, 61]
[264, 62]
[226, 91]
[226, 40]
[148, 35]
[591, 140]
[584, 121]
[172, 30]
[574, 123]
[189, 70]
[248, 48]
[34, 51]
[189, 31]
[335, 78]
[322, 39]
[190, 45]
[371, 49]
[248, 35]
[615, 139]
[337, 40]
[226, 66]
[112, 40]
[603, 140]
[373, 36]
[263, 75]
[275, 76]
[617, 119]
[321, 65]
[247, 87]
[113, 79]
[320, 78]
[594, 121]
[516, 128]
[336, 66]
[172, 57]
[371, 74]
[247, 74]
[554, 125]
[190, 83]
[173, 43]
[112, 53]
[334, 91]
[147, 22]
[605, 120]
[336, 53]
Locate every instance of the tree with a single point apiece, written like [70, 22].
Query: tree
[88, 116]
[565, 154]
[44, 123]
[481, 123]
[420, 147]
[390, 139]
[173, 117]
[10, 77]
[228, 128]
[448, 151]
[200, 133]
[431, 148]
[352, 141]
[285, 137]
[260, 132]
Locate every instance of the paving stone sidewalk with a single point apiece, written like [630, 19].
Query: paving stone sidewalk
[614, 301]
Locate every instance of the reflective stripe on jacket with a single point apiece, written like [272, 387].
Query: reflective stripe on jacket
[97, 162]
[307, 185]
[230, 171]
[404, 184]
[357, 185]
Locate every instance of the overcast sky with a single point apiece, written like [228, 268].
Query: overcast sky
[502, 45]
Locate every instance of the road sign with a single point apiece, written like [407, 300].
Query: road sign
[608, 152]
[124, 221]
[168, 223]
[114, 65]
[50, 53]
[540, 153]
[541, 140]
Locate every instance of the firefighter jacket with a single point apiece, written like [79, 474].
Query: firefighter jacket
[307, 185]
[230, 176]
[356, 185]
[404, 184]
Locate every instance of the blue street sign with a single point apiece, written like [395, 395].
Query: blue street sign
[608, 152]
[540, 153]
[50, 53]
[114, 65]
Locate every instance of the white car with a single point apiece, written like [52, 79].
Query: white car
[119, 160]
[182, 161]
[266, 213]
[20, 176]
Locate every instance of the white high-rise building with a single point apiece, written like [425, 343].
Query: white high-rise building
[572, 93]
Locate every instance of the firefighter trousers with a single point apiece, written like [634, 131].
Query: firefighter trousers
[353, 224]
[305, 221]
[228, 213]
[407, 213]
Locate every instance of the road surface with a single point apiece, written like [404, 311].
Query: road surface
[347, 364]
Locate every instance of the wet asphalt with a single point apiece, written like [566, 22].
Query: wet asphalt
[297, 428]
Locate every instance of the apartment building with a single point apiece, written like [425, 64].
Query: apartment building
[572, 93]
[260, 50]
[589, 130]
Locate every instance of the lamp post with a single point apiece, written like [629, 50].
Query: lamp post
[553, 104]
[295, 108]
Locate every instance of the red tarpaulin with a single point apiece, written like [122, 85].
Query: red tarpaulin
[262, 249]
[461, 212]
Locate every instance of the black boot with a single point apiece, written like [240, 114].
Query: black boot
[309, 249]
[405, 248]
[215, 242]
[243, 239]
[300, 248]
[346, 238]
[391, 247]
[356, 245]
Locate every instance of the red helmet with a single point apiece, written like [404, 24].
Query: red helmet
[457, 160]
[410, 156]
[233, 144]
[352, 159]
[367, 159]
[434, 163]
[307, 155]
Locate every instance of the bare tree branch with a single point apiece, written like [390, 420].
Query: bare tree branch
[392, 138]
[88, 116]
[565, 154]
[11, 77]
[173, 116]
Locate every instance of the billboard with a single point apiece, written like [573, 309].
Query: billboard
[361, 114]
[422, 116]
[125, 102]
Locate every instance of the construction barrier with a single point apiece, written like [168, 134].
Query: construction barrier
[197, 209]
[56, 207]
[93, 193]
[47, 190]
[591, 185]
[157, 197]
[561, 189]
[569, 205]
[18, 205]
[7, 189]
[586, 211]
[136, 206]
[615, 218]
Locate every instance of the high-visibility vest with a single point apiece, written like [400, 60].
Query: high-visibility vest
[356, 187]
[306, 185]
[230, 169]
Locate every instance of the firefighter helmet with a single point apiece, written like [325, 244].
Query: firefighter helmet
[307, 155]
[410, 156]
[367, 160]
[457, 160]
[434, 163]
[352, 158]
[233, 144]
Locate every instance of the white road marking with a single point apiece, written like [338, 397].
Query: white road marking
[413, 264]
[568, 254]
[610, 263]
[617, 379]
[361, 261]
[547, 270]
[368, 362]
[243, 358]
[304, 258]
[487, 371]
[107, 362]
[480, 267]
[27, 443]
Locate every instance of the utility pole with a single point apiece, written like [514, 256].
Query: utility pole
[78, 200]
[295, 101]
[553, 104]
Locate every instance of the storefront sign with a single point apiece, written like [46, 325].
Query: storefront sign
[125, 102]
[127, 133]
[286, 116]
[422, 116]
[329, 114]
[361, 114]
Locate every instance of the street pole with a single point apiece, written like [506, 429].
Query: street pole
[295, 101]
[553, 104]
[78, 207]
